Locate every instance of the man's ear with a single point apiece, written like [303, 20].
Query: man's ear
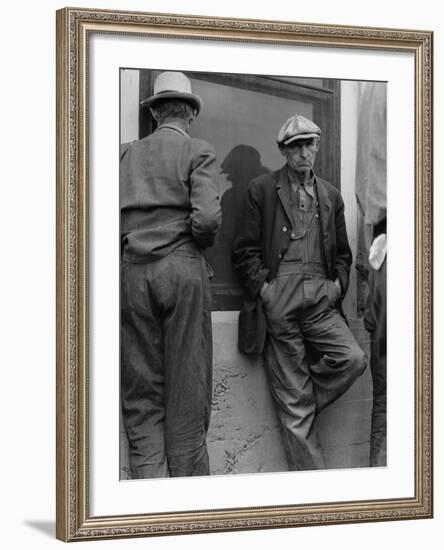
[281, 148]
[317, 144]
[192, 117]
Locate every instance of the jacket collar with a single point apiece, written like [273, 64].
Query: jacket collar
[172, 126]
[324, 203]
[282, 191]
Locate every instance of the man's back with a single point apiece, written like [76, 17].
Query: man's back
[168, 194]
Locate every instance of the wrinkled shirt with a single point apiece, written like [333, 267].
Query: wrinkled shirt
[168, 194]
[305, 192]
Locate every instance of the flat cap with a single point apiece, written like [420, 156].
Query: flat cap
[297, 127]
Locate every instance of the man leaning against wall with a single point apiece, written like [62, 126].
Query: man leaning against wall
[293, 256]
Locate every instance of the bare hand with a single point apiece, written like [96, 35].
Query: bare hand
[263, 288]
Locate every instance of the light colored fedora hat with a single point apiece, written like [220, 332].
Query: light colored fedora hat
[173, 85]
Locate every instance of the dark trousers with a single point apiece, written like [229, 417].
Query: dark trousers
[376, 324]
[301, 315]
[166, 364]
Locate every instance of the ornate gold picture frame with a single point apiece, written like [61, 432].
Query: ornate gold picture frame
[76, 518]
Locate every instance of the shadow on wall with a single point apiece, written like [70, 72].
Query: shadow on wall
[240, 166]
[47, 527]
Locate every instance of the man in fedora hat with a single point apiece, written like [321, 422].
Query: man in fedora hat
[170, 211]
[293, 256]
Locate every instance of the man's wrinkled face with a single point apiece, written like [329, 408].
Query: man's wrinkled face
[301, 154]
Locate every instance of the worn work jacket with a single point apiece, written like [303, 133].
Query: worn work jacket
[263, 236]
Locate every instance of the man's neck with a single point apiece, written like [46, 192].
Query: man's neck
[179, 123]
[298, 177]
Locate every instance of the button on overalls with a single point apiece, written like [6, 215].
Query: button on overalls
[300, 306]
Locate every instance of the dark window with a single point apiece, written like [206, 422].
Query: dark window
[241, 116]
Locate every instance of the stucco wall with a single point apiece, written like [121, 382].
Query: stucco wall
[244, 435]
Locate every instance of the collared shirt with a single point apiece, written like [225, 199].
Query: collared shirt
[303, 194]
[305, 243]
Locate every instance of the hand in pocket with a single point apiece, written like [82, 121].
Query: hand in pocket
[335, 291]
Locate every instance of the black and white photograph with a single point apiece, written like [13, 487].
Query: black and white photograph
[235, 351]
[221, 278]
[253, 254]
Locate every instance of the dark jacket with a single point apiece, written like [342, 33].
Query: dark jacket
[168, 194]
[263, 237]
